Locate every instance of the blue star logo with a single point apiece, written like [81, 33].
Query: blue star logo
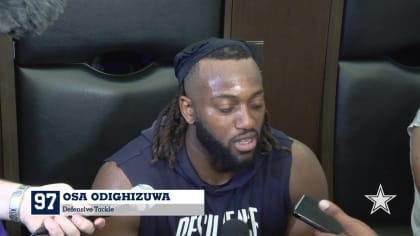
[380, 201]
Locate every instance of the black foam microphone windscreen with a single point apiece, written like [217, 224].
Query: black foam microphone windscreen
[234, 227]
[28, 17]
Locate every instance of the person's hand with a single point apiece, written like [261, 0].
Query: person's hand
[56, 225]
[351, 226]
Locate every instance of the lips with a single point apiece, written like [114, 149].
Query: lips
[245, 143]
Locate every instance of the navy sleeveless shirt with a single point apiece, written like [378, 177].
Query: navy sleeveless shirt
[258, 196]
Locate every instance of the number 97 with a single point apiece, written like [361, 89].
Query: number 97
[42, 199]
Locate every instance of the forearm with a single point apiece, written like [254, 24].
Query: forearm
[7, 189]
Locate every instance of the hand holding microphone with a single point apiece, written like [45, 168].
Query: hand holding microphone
[54, 225]
[95, 220]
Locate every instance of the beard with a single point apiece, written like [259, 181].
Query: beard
[223, 159]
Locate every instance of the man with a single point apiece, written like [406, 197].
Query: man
[215, 136]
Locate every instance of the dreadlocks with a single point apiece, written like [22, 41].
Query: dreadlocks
[170, 128]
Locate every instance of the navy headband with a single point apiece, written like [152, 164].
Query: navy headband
[186, 59]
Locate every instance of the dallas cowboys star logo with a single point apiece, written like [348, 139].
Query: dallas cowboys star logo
[380, 201]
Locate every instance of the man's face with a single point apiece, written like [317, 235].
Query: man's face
[228, 101]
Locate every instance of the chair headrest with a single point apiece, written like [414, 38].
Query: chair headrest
[379, 27]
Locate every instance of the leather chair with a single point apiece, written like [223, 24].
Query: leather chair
[98, 76]
[378, 94]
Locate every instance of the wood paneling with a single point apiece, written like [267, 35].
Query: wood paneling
[9, 163]
[329, 93]
[9, 152]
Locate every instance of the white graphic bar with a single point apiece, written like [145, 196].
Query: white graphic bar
[132, 203]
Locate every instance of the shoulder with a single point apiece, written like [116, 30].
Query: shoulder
[110, 176]
[133, 163]
[307, 175]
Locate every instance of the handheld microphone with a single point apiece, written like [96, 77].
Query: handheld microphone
[234, 227]
[20, 17]
[140, 187]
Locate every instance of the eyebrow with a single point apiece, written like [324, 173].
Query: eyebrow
[230, 96]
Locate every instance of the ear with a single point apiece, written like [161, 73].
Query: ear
[187, 110]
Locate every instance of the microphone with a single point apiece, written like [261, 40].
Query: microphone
[140, 187]
[234, 227]
[143, 187]
[20, 17]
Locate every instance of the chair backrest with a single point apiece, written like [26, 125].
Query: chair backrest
[378, 94]
[98, 76]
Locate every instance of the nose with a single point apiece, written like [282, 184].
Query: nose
[244, 119]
